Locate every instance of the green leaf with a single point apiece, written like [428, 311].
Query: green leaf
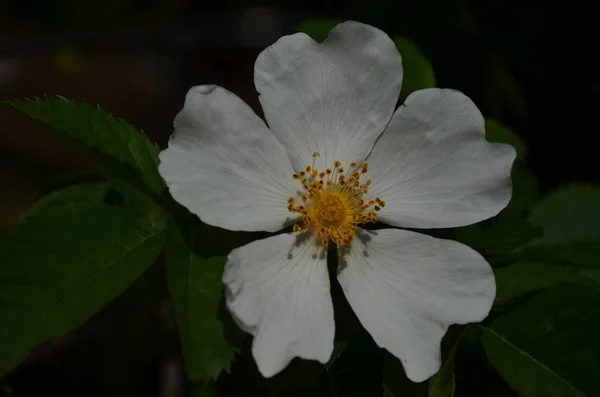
[583, 254]
[549, 345]
[570, 220]
[503, 238]
[443, 384]
[85, 193]
[593, 274]
[496, 132]
[63, 264]
[418, 73]
[526, 276]
[112, 144]
[196, 290]
[147, 209]
[570, 213]
[395, 381]
[317, 28]
[503, 235]
[525, 194]
[338, 348]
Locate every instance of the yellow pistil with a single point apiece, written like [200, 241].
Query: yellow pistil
[333, 202]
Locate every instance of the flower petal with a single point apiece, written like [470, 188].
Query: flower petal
[433, 166]
[334, 98]
[277, 289]
[224, 165]
[406, 288]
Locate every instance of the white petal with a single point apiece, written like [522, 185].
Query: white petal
[224, 165]
[406, 288]
[277, 289]
[335, 97]
[433, 166]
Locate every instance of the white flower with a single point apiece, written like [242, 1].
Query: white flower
[330, 109]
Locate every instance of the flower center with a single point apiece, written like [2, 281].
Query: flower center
[333, 203]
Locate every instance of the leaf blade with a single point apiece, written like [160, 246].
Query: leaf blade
[523, 277]
[196, 289]
[546, 346]
[57, 271]
[112, 144]
[570, 220]
[84, 193]
[497, 132]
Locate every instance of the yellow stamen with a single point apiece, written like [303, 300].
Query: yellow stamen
[333, 204]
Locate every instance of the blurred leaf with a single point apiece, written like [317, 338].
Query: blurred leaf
[583, 254]
[570, 213]
[122, 152]
[443, 384]
[338, 348]
[502, 235]
[69, 60]
[196, 290]
[505, 235]
[510, 231]
[387, 392]
[594, 274]
[418, 73]
[525, 194]
[525, 276]
[503, 90]
[86, 193]
[496, 132]
[549, 345]
[395, 381]
[200, 390]
[317, 28]
[570, 220]
[63, 264]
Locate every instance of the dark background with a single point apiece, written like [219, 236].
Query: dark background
[533, 65]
